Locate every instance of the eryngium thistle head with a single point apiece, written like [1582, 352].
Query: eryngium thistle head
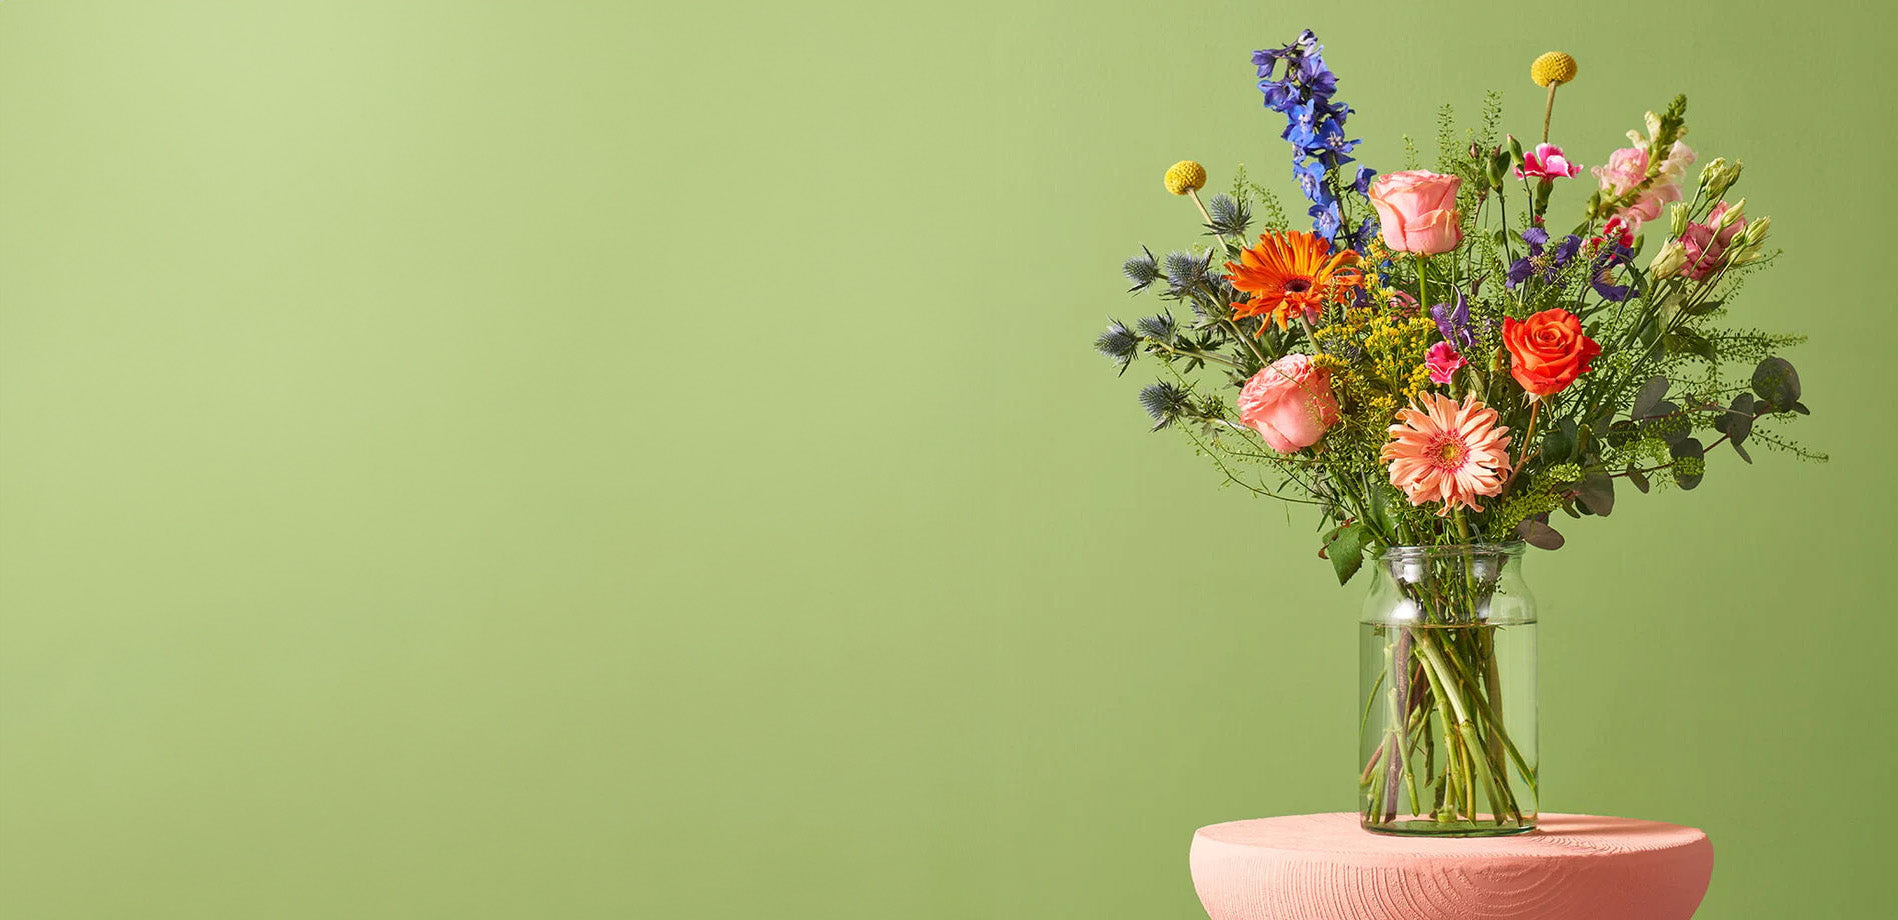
[1229, 215]
[1157, 327]
[1118, 343]
[1184, 270]
[1165, 402]
[1141, 270]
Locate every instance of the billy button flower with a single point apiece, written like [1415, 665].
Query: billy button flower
[1552, 69]
[1187, 178]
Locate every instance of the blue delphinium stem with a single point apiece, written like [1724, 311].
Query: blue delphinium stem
[1296, 83]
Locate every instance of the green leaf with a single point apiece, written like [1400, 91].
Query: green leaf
[1776, 382]
[1639, 478]
[1690, 462]
[1346, 550]
[1737, 421]
[1559, 445]
[1650, 396]
[1380, 508]
[1683, 342]
[1598, 492]
[1539, 535]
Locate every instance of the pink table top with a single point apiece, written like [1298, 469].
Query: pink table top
[1573, 867]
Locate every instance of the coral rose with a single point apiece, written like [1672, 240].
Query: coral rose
[1289, 403]
[1548, 351]
[1418, 211]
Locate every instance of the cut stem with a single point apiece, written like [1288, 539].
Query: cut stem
[1547, 111]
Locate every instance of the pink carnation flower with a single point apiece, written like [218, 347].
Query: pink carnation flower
[1547, 162]
[1445, 452]
[1442, 359]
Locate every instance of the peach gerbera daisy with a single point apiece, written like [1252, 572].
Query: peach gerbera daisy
[1444, 452]
[1289, 273]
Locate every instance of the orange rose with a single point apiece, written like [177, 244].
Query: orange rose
[1548, 351]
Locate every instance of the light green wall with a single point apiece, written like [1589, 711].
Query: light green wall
[568, 459]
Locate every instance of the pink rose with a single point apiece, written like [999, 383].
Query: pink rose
[1706, 246]
[1629, 165]
[1289, 403]
[1418, 211]
[1547, 162]
[1442, 360]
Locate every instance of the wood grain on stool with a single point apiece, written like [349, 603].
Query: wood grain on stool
[1575, 867]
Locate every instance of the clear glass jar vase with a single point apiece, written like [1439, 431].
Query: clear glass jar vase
[1447, 681]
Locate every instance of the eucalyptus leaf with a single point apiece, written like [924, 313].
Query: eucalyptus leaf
[1598, 492]
[1639, 478]
[1688, 449]
[1560, 443]
[1737, 422]
[1776, 382]
[1539, 535]
[1650, 396]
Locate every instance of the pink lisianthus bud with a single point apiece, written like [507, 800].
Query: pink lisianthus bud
[1547, 162]
[1443, 360]
[1289, 403]
[1706, 244]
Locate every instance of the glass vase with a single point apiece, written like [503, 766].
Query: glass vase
[1447, 680]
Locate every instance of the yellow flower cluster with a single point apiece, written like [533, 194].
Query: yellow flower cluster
[1391, 348]
[1376, 359]
[1553, 67]
[1185, 176]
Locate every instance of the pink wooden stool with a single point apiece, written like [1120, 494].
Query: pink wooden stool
[1573, 867]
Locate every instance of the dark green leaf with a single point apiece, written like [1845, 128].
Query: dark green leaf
[1687, 475]
[1346, 551]
[1539, 535]
[1776, 382]
[1639, 478]
[1683, 342]
[1650, 396]
[1559, 445]
[1666, 423]
[1702, 309]
[1598, 492]
[1380, 508]
[1737, 421]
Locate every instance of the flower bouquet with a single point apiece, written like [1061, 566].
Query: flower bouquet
[1436, 369]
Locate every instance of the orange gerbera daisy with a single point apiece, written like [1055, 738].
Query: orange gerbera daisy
[1289, 273]
[1442, 451]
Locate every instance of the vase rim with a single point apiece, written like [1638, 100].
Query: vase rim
[1511, 548]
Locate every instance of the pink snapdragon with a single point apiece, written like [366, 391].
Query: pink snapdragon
[1443, 360]
[1627, 168]
[1706, 244]
[1547, 162]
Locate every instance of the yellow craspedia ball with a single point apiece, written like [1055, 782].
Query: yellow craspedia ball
[1185, 176]
[1554, 67]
